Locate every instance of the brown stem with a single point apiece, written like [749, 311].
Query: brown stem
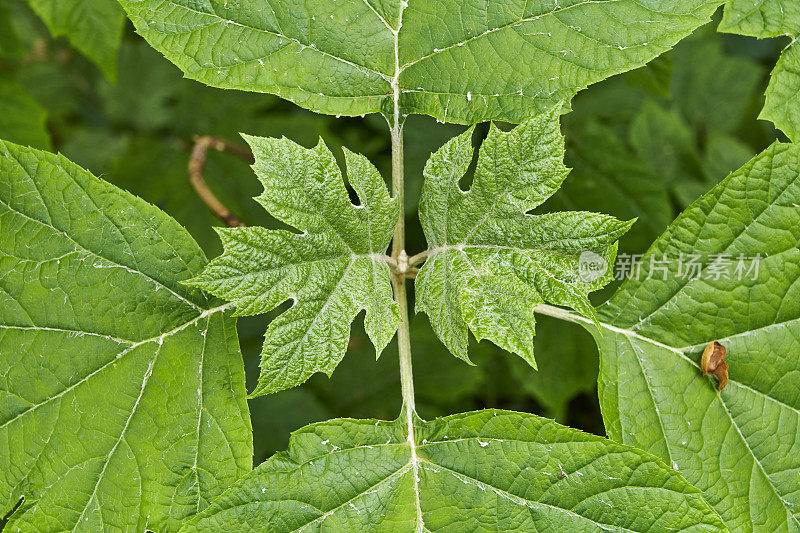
[197, 161]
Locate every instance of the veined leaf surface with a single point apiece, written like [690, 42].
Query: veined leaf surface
[482, 471]
[760, 18]
[489, 261]
[122, 400]
[332, 271]
[459, 61]
[740, 445]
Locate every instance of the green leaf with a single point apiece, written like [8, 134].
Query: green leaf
[331, 271]
[781, 106]
[490, 262]
[482, 471]
[773, 18]
[22, 119]
[122, 398]
[497, 60]
[94, 27]
[741, 445]
[761, 18]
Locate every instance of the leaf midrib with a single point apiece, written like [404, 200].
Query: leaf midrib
[157, 339]
[111, 262]
[520, 500]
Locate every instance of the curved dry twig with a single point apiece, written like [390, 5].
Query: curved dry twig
[197, 161]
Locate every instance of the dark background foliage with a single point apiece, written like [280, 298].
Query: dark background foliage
[644, 144]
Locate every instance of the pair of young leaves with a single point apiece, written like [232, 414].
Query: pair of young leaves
[489, 263]
[652, 332]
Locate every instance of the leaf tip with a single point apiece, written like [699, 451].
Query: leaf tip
[628, 224]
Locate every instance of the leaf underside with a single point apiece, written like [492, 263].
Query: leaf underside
[122, 400]
[773, 18]
[741, 445]
[332, 271]
[482, 471]
[490, 262]
[459, 61]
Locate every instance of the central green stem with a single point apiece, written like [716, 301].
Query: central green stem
[399, 278]
[404, 348]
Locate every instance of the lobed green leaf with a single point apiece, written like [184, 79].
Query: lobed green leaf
[122, 398]
[458, 61]
[740, 445]
[331, 271]
[482, 471]
[490, 262]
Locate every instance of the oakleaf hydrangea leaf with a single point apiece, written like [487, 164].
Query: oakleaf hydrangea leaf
[773, 18]
[331, 271]
[482, 471]
[457, 61]
[726, 270]
[491, 262]
[122, 393]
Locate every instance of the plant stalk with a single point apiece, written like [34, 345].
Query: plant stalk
[404, 349]
[561, 313]
[399, 278]
[399, 239]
